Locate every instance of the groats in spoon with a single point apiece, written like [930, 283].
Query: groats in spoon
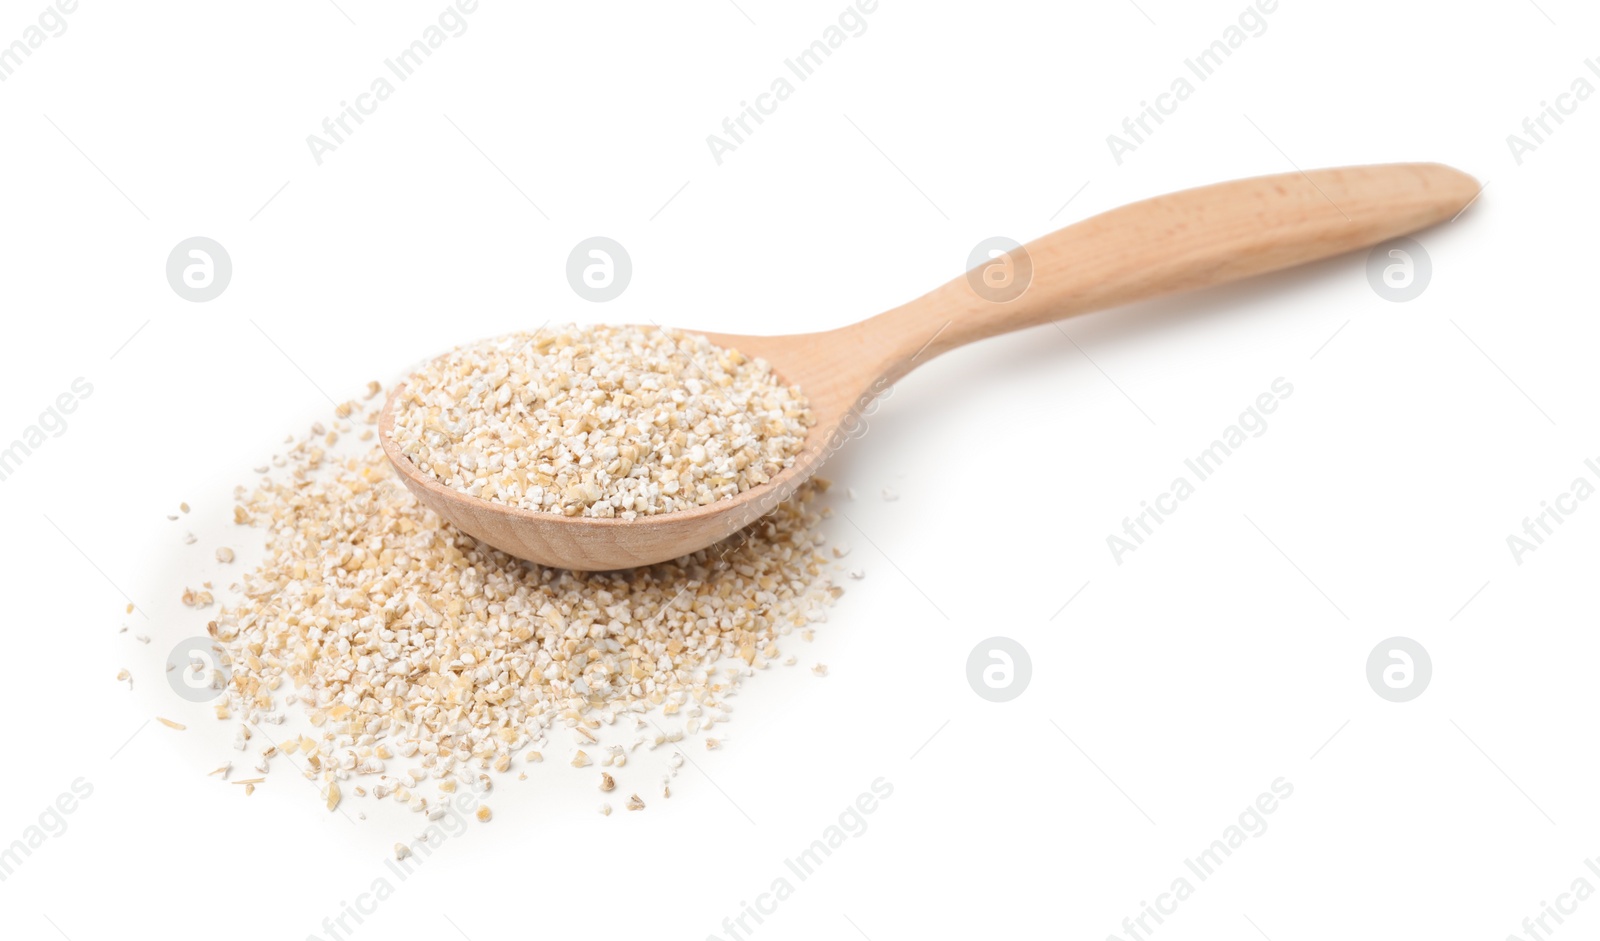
[1193, 239]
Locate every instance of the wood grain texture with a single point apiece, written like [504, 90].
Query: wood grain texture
[1183, 241]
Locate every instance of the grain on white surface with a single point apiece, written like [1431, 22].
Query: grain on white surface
[398, 638]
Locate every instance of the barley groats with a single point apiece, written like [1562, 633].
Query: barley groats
[420, 654]
[600, 421]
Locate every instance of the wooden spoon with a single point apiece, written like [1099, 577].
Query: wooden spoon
[1193, 239]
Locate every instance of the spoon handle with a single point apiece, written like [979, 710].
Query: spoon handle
[1187, 240]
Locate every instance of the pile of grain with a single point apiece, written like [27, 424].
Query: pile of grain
[421, 654]
[600, 421]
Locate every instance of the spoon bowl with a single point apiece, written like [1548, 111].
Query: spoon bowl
[1183, 241]
[605, 544]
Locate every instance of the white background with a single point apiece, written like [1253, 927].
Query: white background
[1227, 652]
